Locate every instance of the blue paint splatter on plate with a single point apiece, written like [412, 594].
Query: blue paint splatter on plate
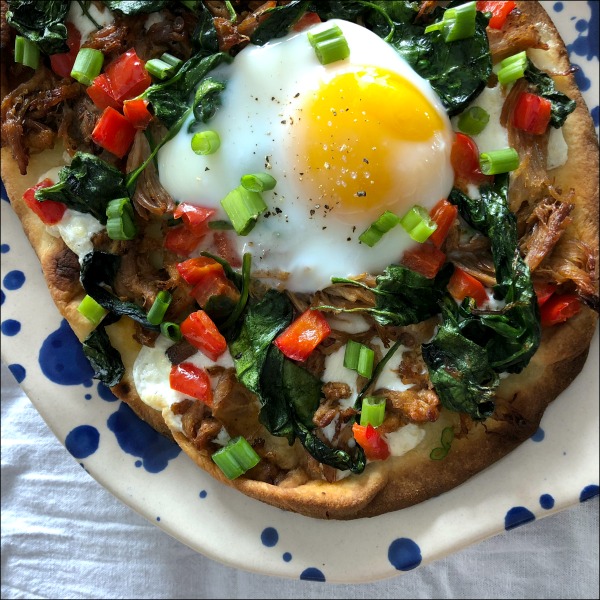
[105, 393]
[517, 516]
[10, 327]
[18, 371]
[139, 439]
[14, 280]
[203, 494]
[82, 441]
[312, 574]
[62, 359]
[590, 491]
[404, 554]
[546, 501]
[287, 557]
[538, 436]
[269, 537]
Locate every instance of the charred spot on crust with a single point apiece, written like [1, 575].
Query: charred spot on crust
[121, 389]
[64, 270]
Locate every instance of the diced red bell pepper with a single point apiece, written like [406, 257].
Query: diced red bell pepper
[303, 335]
[101, 93]
[181, 241]
[195, 218]
[369, 439]
[443, 214]
[114, 132]
[532, 113]
[62, 63]
[499, 10]
[137, 113]
[308, 19]
[464, 157]
[49, 211]
[200, 331]
[559, 308]
[425, 259]
[191, 380]
[195, 270]
[543, 292]
[128, 76]
[462, 284]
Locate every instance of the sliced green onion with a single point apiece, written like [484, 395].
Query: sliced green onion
[171, 60]
[236, 457]
[120, 224]
[359, 358]
[513, 68]
[159, 307]
[446, 441]
[418, 224]
[26, 52]
[91, 310]
[499, 161]
[206, 142]
[457, 23]
[365, 362]
[220, 225]
[473, 120]
[88, 65]
[243, 208]
[329, 44]
[171, 331]
[163, 67]
[258, 182]
[374, 233]
[372, 411]
[351, 355]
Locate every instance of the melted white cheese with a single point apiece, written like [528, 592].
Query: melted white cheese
[336, 371]
[494, 136]
[83, 23]
[558, 151]
[389, 378]
[349, 323]
[76, 229]
[404, 439]
[151, 371]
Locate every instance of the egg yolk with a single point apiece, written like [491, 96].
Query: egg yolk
[354, 137]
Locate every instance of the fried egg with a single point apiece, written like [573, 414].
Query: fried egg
[345, 142]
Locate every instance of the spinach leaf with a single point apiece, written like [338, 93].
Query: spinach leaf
[288, 394]
[87, 185]
[170, 99]
[334, 457]
[104, 358]
[41, 22]
[205, 35]
[402, 296]
[459, 370]
[511, 335]
[562, 105]
[281, 18]
[98, 272]
[134, 7]
[206, 100]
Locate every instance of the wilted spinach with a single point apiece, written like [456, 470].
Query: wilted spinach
[280, 19]
[104, 357]
[87, 185]
[134, 7]
[288, 394]
[98, 272]
[562, 105]
[41, 22]
[402, 296]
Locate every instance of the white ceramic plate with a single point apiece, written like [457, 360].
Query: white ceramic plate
[556, 468]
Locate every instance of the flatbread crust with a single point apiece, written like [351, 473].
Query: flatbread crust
[398, 482]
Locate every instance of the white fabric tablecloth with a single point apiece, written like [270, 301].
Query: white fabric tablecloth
[65, 536]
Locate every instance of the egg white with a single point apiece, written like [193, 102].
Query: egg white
[266, 87]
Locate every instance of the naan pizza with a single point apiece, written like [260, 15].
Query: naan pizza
[343, 253]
